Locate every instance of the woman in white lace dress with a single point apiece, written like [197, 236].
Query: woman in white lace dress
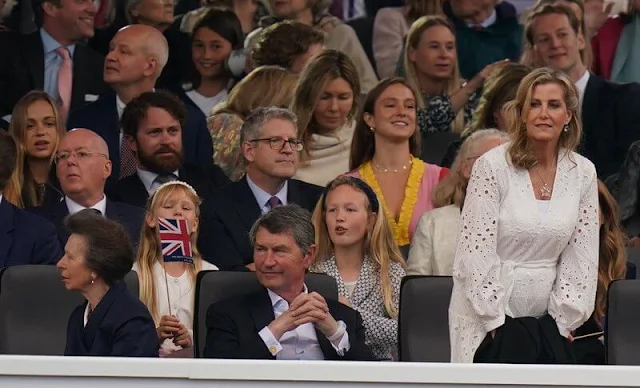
[528, 243]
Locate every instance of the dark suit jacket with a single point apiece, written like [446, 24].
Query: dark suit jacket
[235, 210]
[130, 217]
[102, 118]
[22, 69]
[131, 190]
[611, 122]
[233, 326]
[26, 238]
[120, 326]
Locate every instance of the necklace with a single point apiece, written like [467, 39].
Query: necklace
[394, 170]
[545, 190]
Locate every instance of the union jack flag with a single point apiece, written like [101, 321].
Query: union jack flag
[175, 240]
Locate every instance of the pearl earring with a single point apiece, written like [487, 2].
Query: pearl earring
[566, 128]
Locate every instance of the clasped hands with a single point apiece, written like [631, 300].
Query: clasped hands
[305, 308]
[170, 327]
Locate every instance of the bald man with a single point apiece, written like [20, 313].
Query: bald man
[83, 167]
[136, 59]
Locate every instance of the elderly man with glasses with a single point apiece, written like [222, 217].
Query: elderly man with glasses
[82, 167]
[270, 148]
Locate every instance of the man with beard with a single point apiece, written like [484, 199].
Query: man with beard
[152, 126]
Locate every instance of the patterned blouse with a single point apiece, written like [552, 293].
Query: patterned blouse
[438, 115]
[224, 129]
[381, 331]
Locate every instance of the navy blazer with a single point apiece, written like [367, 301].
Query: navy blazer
[130, 217]
[233, 326]
[102, 118]
[22, 68]
[26, 238]
[225, 242]
[120, 326]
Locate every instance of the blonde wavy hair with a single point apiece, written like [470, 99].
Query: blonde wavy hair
[264, 86]
[452, 190]
[418, 28]
[520, 150]
[379, 245]
[150, 248]
[327, 66]
[21, 184]
[612, 262]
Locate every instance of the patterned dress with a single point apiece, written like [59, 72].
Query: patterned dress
[381, 331]
[438, 115]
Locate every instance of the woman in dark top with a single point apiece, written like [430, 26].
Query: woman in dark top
[111, 322]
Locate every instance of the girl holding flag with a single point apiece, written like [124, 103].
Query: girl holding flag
[168, 262]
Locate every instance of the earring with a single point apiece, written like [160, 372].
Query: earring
[93, 279]
[372, 129]
[566, 128]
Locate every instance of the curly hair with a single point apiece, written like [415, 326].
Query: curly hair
[612, 259]
[281, 43]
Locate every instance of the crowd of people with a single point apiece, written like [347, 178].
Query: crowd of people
[288, 135]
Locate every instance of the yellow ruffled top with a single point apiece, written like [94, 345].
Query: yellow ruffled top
[401, 227]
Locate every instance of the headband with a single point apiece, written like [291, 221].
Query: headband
[360, 184]
[172, 183]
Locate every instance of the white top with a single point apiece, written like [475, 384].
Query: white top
[581, 85]
[75, 207]
[300, 343]
[206, 104]
[350, 287]
[543, 207]
[512, 261]
[181, 295]
[262, 197]
[433, 246]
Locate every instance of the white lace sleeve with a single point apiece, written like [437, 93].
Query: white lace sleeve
[477, 265]
[572, 300]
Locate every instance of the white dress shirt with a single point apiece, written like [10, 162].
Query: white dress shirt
[148, 179]
[177, 292]
[262, 197]
[86, 314]
[300, 343]
[75, 207]
[581, 85]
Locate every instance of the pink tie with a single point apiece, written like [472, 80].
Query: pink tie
[64, 82]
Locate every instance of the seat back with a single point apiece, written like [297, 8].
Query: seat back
[423, 324]
[215, 286]
[622, 335]
[633, 257]
[435, 145]
[34, 309]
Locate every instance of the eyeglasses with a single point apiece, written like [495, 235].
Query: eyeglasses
[79, 155]
[277, 143]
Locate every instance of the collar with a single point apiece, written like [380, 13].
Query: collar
[0, 198]
[86, 314]
[120, 106]
[581, 84]
[275, 298]
[263, 197]
[74, 207]
[148, 178]
[491, 20]
[50, 45]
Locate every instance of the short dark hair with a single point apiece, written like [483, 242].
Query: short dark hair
[8, 156]
[136, 110]
[551, 9]
[109, 253]
[38, 11]
[288, 219]
[281, 43]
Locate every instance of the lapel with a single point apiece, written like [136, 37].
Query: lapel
[33, 52]
[132, 191]
[112, 210]
[365, 285]
[7, 226]
[248, 208]
[79, 76]
[59, 212]
[294, 194]
[97, 316]
[261, 313]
